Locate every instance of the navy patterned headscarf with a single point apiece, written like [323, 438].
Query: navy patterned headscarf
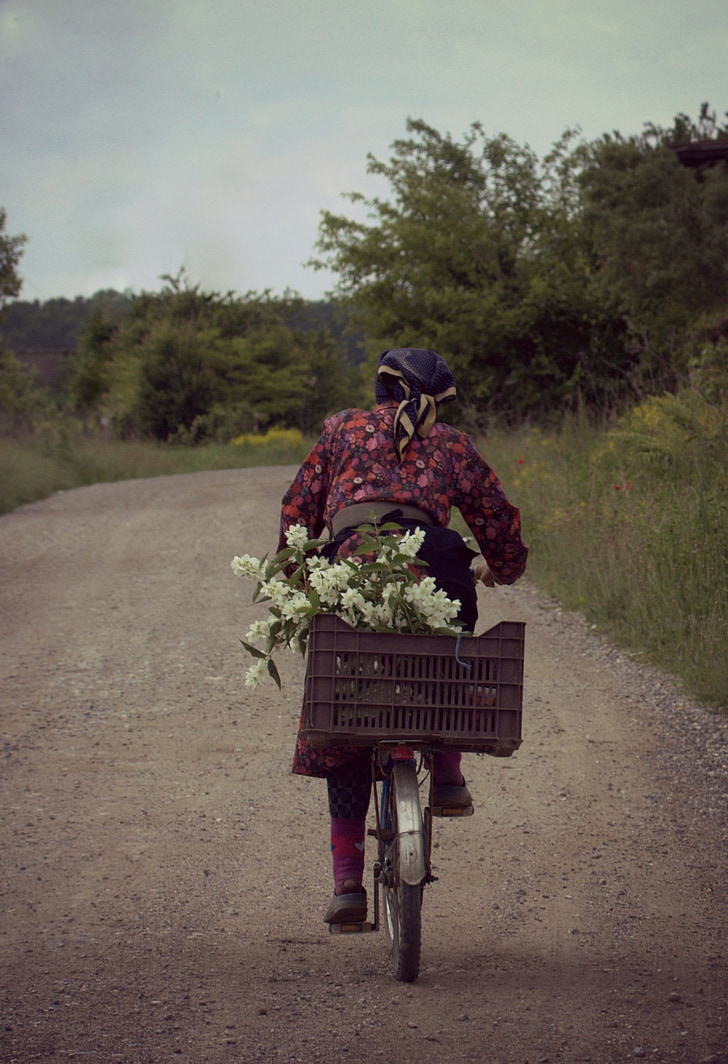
[419, 380]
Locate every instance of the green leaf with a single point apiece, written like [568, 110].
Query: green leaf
[297, 577]
[312, 545]
[255, 651]
[273, 672]
[284, 555]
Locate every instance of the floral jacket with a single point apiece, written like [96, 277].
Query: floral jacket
[354, 461]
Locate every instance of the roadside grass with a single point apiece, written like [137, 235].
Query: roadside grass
[33, 468]
[629, 526]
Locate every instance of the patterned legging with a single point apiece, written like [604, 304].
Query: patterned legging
[349, 789]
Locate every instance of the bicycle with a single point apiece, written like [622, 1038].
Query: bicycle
[405, 697]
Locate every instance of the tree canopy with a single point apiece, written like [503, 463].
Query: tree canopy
[57, 323]
[584, 276]
[11, 249]
[659, 236]
[188, 364]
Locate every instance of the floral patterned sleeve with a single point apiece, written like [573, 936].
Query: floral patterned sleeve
[493, 520]
[305, 501]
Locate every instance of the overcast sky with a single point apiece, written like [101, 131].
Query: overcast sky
[141, 136]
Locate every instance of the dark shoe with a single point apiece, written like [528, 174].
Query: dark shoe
[349, 908]
[448, 796]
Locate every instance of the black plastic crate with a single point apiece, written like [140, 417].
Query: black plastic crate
[363, 687]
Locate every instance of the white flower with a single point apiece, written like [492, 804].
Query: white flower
[384, 614]
[258, 632]
[295, 606]
[392, 594]
[317, 561]
[385, 597]
[351, 605]
[367, 613]
[378, 615]
[411, 542]
[436, 609]
[275, 590]
[246, 565]
[442, 613]
[297, 536]
[256, 673]
[418, 595]
[342, 575]
[352, 599]
[328, 583]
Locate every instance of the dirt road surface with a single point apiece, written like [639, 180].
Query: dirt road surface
[164, 877]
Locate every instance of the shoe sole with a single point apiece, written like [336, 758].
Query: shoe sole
[347, 909]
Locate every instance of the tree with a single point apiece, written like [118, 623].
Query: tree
[175, 382]
[580, 277]
[57, 322]
[474, 253]
[275, 376]
[192, 365]
[11, 249]
[23, 404]
[87, 371]
[658, 233]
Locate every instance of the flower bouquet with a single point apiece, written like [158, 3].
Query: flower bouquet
[380, 589]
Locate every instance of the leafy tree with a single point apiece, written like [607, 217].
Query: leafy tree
[87, 375]
[188, 365]
[57, 323]
[580, 277]
[11, 249]
[331, 382]
[658, 233]
[175, 382]
[474, 253]
[23, 404]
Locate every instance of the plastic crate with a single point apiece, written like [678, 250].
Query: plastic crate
[364, 687]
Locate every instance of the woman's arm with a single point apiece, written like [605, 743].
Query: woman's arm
[305, 501]
[493, 520]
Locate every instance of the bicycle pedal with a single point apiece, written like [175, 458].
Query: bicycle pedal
[452, 811]
[351, 929]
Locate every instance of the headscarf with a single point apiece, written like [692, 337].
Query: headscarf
[419, 379]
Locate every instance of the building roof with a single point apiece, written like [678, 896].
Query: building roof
[701, 152]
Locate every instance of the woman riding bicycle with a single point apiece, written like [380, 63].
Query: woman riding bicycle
[399, 463]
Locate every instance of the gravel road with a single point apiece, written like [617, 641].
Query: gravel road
[164, 876]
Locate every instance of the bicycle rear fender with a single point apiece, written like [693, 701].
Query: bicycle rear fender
[410, 832]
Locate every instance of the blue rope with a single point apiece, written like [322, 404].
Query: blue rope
[465, 664]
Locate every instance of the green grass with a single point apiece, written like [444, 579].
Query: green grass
[32, 468]
[630, 527]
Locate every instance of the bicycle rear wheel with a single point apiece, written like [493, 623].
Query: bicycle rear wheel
[404, 871]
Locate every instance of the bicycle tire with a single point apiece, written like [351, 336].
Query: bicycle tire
[403, 881]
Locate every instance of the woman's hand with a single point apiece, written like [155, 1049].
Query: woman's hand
[481, 571]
